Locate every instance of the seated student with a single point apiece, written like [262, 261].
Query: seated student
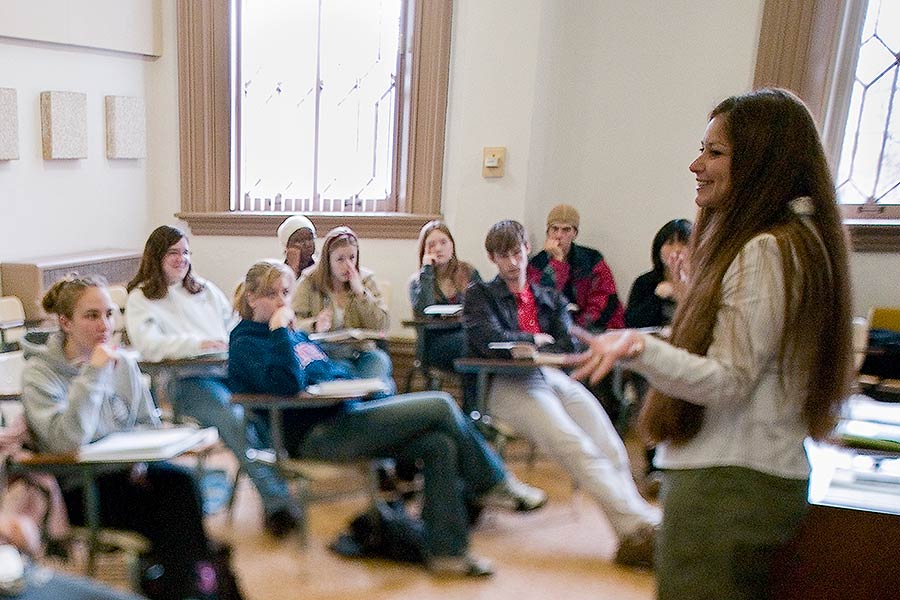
[20, 543]
[268, 356]
[172, 313]
[441, 279]
[78, 388]
[297, 235]
[652, 301]
[653, 296]
[545, 405]
[336, 293]
[579, 272]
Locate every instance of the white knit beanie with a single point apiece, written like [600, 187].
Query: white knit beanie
[292, 224]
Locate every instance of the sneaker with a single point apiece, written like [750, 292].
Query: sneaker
[282, 521]
[460, 566]
[512, 494]
[636, 549]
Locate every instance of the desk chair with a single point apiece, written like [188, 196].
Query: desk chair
[434, 376]
[305, 472]
[12, 322]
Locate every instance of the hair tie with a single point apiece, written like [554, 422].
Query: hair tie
[802, 206]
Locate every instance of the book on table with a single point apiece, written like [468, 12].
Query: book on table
[528, 351]
[345, 335]
[348, 388]
[146, 444]
[443, 310]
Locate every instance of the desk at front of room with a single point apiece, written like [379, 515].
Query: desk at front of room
[849, 546]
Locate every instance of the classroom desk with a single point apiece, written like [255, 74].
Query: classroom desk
[484, 369]
[275, 405]
[162, 372]
[842, 551]
[422, 326]
[88, 470]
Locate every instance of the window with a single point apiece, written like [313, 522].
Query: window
[318, 115]
[388, 197]
[812, 47]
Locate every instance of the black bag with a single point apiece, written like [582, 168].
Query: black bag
[385, 530]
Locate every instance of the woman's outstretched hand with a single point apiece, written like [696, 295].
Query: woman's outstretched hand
[603, 352]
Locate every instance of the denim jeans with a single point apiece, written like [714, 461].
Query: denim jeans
[365, 364]
[207, 399]
[426, 426]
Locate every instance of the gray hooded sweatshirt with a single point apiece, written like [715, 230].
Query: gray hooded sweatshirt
[69, 404]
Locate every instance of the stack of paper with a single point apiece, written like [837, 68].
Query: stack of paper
[869, 435]
[146, 444]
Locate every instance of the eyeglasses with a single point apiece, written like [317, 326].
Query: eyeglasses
[179, 253]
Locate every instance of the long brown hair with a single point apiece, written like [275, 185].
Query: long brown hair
[776, 157]
[320, 276]
[457, 271]
[150, 273]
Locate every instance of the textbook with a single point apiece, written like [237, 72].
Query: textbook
[869, 435]
[443, 310]
[528, 351]
[348, 388]
[346, 335]
[146, 444]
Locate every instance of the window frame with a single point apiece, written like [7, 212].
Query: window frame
[207, 103]
[802, 48]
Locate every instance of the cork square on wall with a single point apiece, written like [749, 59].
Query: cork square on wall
[126, 130]
[9, 124]
[64, 125]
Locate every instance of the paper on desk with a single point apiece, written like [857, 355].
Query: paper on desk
[349, 388]
[443, 310]
[876, 436]
[528, 351]
[146, 444]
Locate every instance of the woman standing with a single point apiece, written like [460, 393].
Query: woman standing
[441, 279]
[171, 314]
[268, 356]
[78, 388]
[760, 354]
[337, 294]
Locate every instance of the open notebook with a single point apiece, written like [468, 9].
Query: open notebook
[146, 444]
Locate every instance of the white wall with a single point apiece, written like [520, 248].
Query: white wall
[58, 206]
[600, 104]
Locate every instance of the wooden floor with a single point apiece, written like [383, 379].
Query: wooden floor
[564, 550]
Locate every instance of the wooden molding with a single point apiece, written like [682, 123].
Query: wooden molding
[264, 224]
[874, 236]
[205, 104]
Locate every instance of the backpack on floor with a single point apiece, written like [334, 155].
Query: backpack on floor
[384, 530]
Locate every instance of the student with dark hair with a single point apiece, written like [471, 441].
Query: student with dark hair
[171, 314]
[760, 355]
[654, 294]
[268, 356]
[77, 388]
[544, 405]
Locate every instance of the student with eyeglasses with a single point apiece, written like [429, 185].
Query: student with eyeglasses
[171, 314]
